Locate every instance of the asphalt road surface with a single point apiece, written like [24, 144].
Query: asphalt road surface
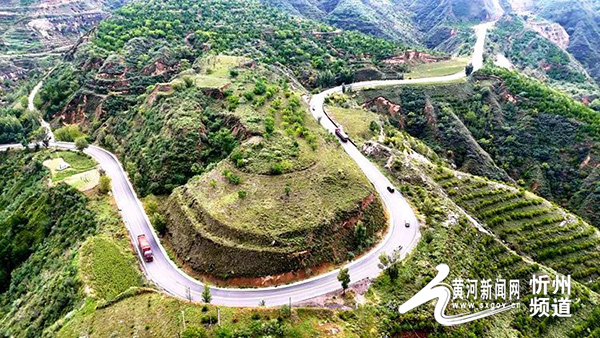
[166, 275]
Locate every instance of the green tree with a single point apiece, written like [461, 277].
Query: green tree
[360, 235]
[104, 184]
[81, 143]
[469, 69]
[388, 263]
[206, 296]
[344, 278]
[374, 126]
[159, 223]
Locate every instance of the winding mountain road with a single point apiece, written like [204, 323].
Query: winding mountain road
[166, 275]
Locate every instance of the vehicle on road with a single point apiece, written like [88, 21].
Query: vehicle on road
[406, 224]
[145, 248]
[341, 135]
[390, 189]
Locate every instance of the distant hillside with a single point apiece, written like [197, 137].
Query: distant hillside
[537, 47]
[33, 33]
[580, 19]
[430, 23]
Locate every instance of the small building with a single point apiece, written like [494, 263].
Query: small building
[63, 166]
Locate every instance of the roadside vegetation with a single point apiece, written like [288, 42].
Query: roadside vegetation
[359, 124]
[106, 268]
[42, 230]
[434, 69]
[447, 237]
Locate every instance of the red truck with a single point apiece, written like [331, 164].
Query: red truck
[341, 135]
[145, 248]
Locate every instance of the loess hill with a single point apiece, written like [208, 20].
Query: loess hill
[287, 198]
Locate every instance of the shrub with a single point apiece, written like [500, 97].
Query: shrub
[159, 223]
[231, 177]
[81, 143]
[68, 133]
[260, 87]
[276, 169]
[192, 331]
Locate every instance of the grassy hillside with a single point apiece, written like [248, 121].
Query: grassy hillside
[581, 21]
[162, 316]
[106, 268]
[59, 247]
[288, 194]
[119, 85]
[41, 229]
[540, 57]
[432, 24]
[506, 127]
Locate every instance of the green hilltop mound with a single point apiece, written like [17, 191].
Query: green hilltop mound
[287, 198]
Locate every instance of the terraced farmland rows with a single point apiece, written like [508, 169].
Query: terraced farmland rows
[530, 225]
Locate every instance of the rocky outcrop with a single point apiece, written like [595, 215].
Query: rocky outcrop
[384, 106]
[377, 150]
[551, 31]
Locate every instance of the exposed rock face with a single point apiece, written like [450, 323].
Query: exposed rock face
[384, 106]
[377, 150]
[80, 107]
[551, 31]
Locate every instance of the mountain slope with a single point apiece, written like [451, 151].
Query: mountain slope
[431, 23]
[505, 126]
[581, 21]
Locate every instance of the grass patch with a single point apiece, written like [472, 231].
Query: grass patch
[84, 181]
[356, 122]
[157, 315]
[77, 161]
[220, 65]
[106, 268]
[203, 81]
[317, 194]
[434, 69]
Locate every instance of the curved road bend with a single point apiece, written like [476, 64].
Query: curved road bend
[164, 273]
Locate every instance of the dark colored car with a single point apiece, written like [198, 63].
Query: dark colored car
[406, 224]
[390, 189]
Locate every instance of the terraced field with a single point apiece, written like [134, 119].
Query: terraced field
[530, 225]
